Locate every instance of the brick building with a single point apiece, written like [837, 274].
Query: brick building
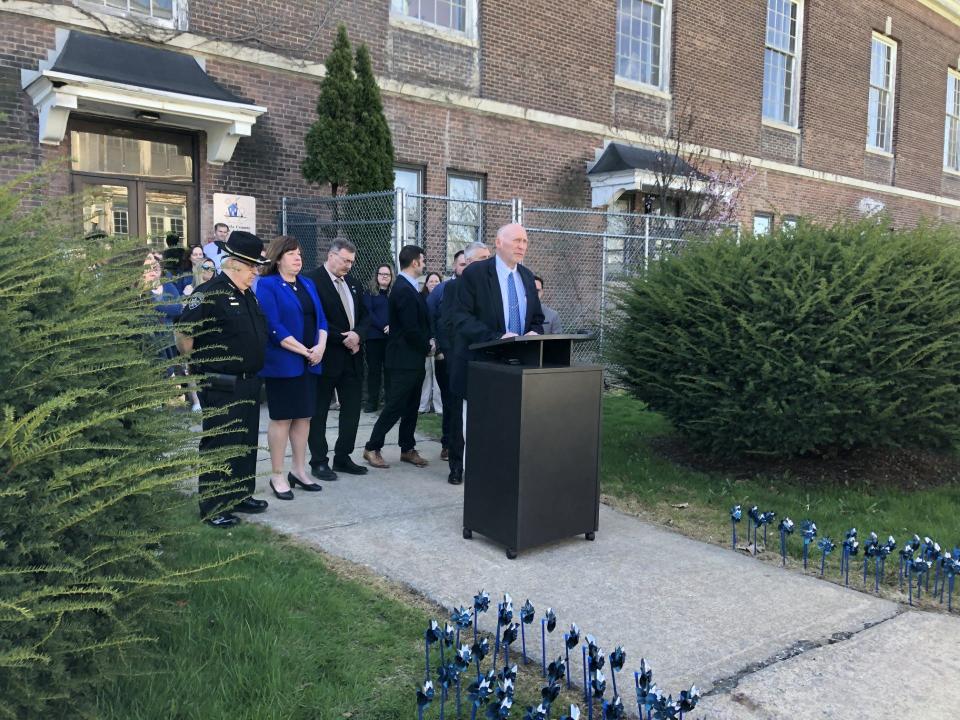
[839, 108]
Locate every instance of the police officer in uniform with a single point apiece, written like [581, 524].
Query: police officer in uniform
[223, 320]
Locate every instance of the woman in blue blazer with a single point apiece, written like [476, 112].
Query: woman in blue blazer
[296, 341]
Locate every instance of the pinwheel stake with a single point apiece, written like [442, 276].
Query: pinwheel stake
[870, 548]
[646, 690]
[479, 692]
[504, 617]
[736, 512]
[547, 624]
[753, 522]
[462, 619]
[617, 658]
[919, 567]
[549, 694]
[586, 685]
[598, 685]
[928, 552]
[424, 697]
[850, 548]
[480, 650]
[934, 556]
[446, 675]
[946, 560]
[808, 529]
[951, 573]
[786, 528]
[881, 561]
[766, 518]
[461, 661]
[571, 640]
[481, 603]
[688, 700]
[446, 640]
[526, 618]
[431, 636]
[906, 557]
[826, 547]
[509, 637]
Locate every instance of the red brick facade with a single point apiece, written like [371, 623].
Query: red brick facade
[557, 59]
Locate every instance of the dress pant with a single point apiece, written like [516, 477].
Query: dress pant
[403, 398]
[375, 351]
[454, 411]
[221, 491]
[446, 397]
[347, 387]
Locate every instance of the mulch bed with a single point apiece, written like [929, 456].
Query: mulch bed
[902, 468]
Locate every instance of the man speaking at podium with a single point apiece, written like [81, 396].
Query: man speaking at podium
[495, 298]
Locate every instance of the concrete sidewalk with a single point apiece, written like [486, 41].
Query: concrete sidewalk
[759, 641]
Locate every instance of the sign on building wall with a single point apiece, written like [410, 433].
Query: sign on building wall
[238, 212]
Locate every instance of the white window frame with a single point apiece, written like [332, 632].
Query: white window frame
[400, 17]
[414, 207]
[178, 21]
[793, 122]
[952, 114]
[763, 217]
[887, 143]
[666, 37]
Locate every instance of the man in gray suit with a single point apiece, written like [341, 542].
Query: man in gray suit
[551, 320]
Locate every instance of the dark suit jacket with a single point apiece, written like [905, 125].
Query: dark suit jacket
[409, 340]
[337, 356]
[476, 314]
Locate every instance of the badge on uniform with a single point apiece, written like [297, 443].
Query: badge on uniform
[195, 301]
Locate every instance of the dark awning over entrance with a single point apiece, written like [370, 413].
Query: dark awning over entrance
[129, 63]
[618, 157]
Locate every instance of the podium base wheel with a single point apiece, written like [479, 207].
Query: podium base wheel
[511, 554]
[467, 533]
[590, 536]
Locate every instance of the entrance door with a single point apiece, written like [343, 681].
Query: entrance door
[135, 181]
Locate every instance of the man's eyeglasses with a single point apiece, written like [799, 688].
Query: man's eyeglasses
[348, 261]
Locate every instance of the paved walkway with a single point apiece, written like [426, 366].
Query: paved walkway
[759, 641]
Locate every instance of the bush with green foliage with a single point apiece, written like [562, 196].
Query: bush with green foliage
[814, 340]
[90, 457]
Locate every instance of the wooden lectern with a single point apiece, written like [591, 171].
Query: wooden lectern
[532, 464]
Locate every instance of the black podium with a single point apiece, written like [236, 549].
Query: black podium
[532, 471]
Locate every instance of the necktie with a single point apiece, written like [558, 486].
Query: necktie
[345, 299]
[514, 300]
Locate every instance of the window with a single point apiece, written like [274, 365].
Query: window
[457, 16]
[781, 62]
[951, 140]
[464, 213]
[883, 70]
[643, 38]
[165, 13]
[762, 223]
[789, 223]
[411, 181]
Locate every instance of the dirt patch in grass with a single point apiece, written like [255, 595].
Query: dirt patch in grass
[895, 468]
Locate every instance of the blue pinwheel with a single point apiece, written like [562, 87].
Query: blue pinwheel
[549, 693]
[808, 530]
[786, 528]
[526, 618]
[425, 695]
[826, 547]
[432, 634]
[617, 659]
[548, 624]
[880, 561]
[766, 519]
[462, 619]
[613, 710]
[646, 689]
[461, 661]
[753, 515]
[508, 672]
[906, 556]
[480, 650]
[946, 561]
[481, 603]
[850, 548]
[447, 639]
[479, 693]
[501, 709]
[570, 641]
[447, 675]
[688, 700]
[598, 684]
[504, 617]
[510, 633]
[665, 708]
[556, 670]
[574, 713]
[540, 712]
[918, 567]
[736, 512]
[952, 570]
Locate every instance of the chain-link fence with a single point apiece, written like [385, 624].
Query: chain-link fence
[582, 255]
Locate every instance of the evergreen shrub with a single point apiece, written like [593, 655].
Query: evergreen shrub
[90, 456]
[811, 341]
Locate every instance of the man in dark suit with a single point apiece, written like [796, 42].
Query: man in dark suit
[407, 348]
[340, 295]
[494, 298]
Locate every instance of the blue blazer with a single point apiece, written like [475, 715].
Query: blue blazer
[285, 318]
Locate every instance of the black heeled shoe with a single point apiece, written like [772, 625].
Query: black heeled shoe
[286, 495]
[309, 487]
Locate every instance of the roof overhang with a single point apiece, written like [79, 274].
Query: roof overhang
[618, 168]
[56, 94]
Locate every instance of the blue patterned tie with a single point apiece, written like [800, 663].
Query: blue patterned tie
[514, 300]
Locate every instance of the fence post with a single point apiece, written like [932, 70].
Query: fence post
[646, 244]
[400, 217]
[516, 210]
[283, 214]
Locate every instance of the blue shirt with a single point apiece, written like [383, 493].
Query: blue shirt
[503, 272]
[410, 280]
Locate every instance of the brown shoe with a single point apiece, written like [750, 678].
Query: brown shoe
[375, 459]
[444, 454]
[413, 457]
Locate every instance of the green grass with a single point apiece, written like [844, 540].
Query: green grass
[288, 637]
[634, 476]
[429, 424]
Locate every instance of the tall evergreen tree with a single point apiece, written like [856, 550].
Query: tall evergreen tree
[331, 142]
[375, 161]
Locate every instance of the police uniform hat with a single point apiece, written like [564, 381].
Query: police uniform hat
[243, 246]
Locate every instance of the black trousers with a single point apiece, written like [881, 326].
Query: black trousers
[375, 351]
[403, 400]
[348, 388]
[455, 447]
[221, 491]
[443, 381]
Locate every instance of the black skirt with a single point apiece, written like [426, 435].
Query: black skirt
[292, 398]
